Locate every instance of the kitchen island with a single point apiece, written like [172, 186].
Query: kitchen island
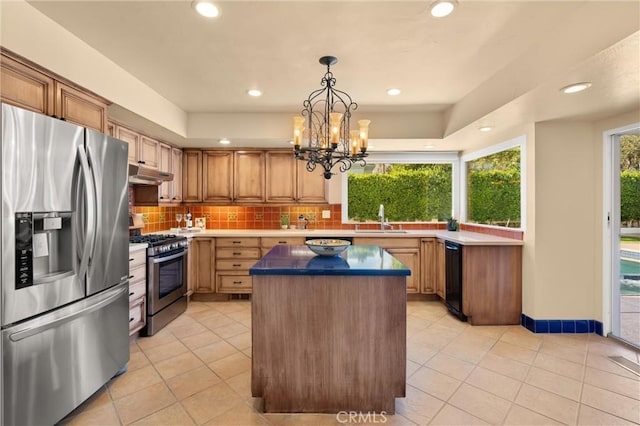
[328, 333]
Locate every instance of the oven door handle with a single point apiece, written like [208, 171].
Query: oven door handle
[167, 258]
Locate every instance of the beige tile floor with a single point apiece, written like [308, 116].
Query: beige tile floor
[198, 371]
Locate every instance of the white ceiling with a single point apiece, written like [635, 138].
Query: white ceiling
[493, 62]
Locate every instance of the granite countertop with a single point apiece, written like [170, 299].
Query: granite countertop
[461, 237]
[355, 260]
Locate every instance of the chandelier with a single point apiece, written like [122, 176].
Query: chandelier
[330, 142]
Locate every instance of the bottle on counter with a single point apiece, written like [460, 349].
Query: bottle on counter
[302, 222]
[188, 220]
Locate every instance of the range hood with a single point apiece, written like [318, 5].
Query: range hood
[141, 174]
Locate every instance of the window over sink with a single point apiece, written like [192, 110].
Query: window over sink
[413, 187]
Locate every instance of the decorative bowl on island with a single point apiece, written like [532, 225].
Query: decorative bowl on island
[324, 247]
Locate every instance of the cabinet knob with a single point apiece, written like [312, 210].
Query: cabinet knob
[131, 319]
[237, 282]
[236, 254]
[236, 265]
[141, 162]
[132, 293]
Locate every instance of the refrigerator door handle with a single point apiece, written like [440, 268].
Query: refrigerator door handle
[91, 213]
[106, 299]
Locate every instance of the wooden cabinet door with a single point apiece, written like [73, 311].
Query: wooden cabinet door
[248, 176]
[176, 169]
[440, 269]
[310, 185]
[111, 129]
[149, 152]
[165, 166]
[192, 175]
[428, 262]
[24, 87]
[80, 107]
[411, 258]
[217, 172]
[204, 265]
[132, 138]
[280, 169]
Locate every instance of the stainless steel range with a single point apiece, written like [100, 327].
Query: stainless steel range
[166, 279]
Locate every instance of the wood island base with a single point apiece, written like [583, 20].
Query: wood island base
[325, 344]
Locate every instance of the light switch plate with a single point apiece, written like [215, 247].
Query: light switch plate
[326, 214]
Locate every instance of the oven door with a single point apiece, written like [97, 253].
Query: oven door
[166, 280]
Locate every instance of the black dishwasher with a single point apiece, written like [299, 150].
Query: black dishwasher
[453, 278]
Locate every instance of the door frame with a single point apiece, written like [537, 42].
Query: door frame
[610, 226]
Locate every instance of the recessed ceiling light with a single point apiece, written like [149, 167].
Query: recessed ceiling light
[206, 8]
[291, 142]
[393, 92]
[577, 87]
[254, 92]
[485, 128]
[442, 8]
[430, 146]
[225, 141]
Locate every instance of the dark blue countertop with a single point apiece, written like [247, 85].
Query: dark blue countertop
[356, 260]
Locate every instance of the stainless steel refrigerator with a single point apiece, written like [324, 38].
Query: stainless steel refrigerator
[65, 267]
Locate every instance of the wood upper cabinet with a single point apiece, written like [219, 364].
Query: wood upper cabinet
[311, 186]
[176, 169]
[130, 137]
[280, 176]
[192, 175]
[24, 87]
[165, 166]
[217, 176]
[149, 152]
[30, 87]
[287, 180]
[248, 176]
[79, 107]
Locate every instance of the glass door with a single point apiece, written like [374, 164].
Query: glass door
[625, 245]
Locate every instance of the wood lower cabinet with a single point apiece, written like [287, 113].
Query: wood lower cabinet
[203, 251]
[492, 284]
[26, 85]
[406, 250]
[234, 257]
[267, 243]
[428, 265]
[137, 290]
[440, 284]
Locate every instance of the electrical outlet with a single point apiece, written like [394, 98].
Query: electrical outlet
[161, 216]
[145, 218]
[326, 214]
[207, 216]
[311, 216]
[232, 216]
[258, 216]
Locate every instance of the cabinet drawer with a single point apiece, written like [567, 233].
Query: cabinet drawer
[270, 242]
[137, 274]
[234, 265]
[137, 290]
[237, 253]
[228, 283]
[137, 318]
[137, 258]
[238, 242]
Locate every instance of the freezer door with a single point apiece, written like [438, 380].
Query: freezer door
[109, 264]
[41, 175]
[54, 362]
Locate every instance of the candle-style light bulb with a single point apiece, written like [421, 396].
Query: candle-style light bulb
[334, 127]
[298, 128]
[364, 134]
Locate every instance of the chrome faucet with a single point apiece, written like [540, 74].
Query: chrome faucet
[383, 224]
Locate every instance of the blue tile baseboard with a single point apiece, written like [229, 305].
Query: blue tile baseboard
[561, 326]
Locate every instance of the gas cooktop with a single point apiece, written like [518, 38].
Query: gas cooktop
[156, 239]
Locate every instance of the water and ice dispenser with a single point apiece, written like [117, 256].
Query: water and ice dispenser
[44, 247]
